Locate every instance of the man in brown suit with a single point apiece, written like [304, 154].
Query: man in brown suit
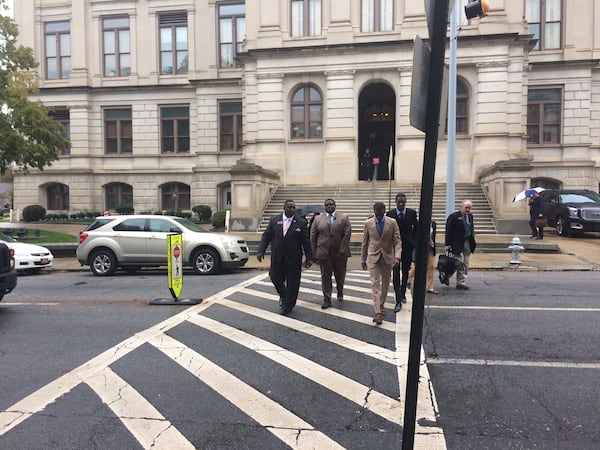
[330, 241]
[381, 250]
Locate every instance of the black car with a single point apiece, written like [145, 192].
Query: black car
[572, 211]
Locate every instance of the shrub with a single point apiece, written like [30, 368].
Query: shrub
[34, 213]
[124, 209]
[218, 219]
[203, 211]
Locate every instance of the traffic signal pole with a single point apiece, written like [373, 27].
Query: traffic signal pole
[438, 15]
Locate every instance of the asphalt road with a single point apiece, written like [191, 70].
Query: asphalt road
[86, 362]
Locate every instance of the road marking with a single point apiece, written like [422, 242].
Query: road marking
[363, 396]
[288, 427]
[144, 421]
[516, 363]
[514, 308]
[342, 340]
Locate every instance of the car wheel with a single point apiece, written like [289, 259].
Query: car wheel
[103, 263]
[561, 226]
[206, 261]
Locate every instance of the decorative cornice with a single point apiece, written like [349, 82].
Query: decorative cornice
[269, 75]
[340, 72]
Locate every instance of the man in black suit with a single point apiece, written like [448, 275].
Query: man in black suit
[406, 218]
[460, 240]
[289, 238]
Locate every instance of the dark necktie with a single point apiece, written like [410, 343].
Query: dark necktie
[401, 215]
[379, 226]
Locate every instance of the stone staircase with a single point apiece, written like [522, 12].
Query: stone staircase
[357, 202]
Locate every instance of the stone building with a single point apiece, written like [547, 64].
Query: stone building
[170, 104]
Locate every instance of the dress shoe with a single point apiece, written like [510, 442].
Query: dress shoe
[285, 312]
[431, 291]
[326, 305]
[403, 299]
[398, 307]
[377, 319]
[463, 287]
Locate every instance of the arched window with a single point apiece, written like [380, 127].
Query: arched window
[116, 194]
[307, 113]
[58, 196]
[175, 196]
[462, 108]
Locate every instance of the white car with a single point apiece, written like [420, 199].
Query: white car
[29, 258]
[131, 242]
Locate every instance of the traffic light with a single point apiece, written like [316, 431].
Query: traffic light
[477, 8]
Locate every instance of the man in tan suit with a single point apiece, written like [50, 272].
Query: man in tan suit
[330, 241]
[381, 250]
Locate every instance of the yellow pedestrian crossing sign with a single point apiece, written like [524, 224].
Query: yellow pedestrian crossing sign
[174, 265]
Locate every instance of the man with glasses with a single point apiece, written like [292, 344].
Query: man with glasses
[330, 235]
[460, 240]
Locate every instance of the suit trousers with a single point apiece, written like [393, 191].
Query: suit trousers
[430, 270]
[462, 264]
[401, 282]
[336, 265]
[380, 274]
[285, 276]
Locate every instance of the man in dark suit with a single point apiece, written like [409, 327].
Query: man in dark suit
[536, 210]
[406, 218]
[288, 236]
[380, 251]
[460, 240]
[330, 242]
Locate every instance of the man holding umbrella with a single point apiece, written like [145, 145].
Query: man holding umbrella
[536, 210]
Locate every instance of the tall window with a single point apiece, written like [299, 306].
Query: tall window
[232, 32]
[58, 196]
[117, 131]
[118, 194]
[544, 18]
[173, 43]
[58, 50]
[462, 108]
[306, 18]
[117, 50]
[377, 15]
[175, 129]
[544, 113]
[62, 116]
[307, 113]
[175, 196]
[230, 126]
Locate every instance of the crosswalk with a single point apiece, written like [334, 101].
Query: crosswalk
[317, 379]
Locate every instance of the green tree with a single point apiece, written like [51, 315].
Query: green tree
[29, 137]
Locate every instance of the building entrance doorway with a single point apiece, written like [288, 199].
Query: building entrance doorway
[376, 132]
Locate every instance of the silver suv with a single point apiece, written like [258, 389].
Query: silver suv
[136, 241]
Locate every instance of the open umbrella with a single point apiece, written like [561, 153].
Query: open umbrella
[527, 193]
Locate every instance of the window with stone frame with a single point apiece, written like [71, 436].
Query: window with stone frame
[116, 45]
[57, 197]
[173, 43]
[462, 108]
[118, 138]
[306, 113]
[175, 196]
[175, 129]
[62, 116]
[544, 113]
[544, 19]
[377, 15]
[306, 17]
[232, 32]
[230, 126]
[116, 194]
[57, 50]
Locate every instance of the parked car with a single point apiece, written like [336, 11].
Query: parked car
[572, 211]
[8, 274]
[135, 241]
[29, 258]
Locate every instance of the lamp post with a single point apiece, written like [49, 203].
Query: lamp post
[451, 157]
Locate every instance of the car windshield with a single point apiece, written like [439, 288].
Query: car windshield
[189, 225]
[6, 238]
[582, 197]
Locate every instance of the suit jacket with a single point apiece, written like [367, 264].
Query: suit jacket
[288, 248]
[455, 232]
[408, 228]
[388, 246]
[325, 242]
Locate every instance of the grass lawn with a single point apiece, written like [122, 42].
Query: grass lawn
[48, 237]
